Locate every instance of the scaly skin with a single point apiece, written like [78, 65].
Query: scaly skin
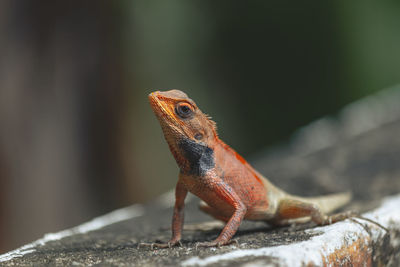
[231, 189]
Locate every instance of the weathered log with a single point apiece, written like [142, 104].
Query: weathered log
[358, 150]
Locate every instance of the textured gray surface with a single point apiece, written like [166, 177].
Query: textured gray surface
[331, 155]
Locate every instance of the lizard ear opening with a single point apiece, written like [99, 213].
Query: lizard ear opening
[198, 136]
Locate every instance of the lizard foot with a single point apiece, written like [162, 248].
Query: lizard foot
[215, 244]
[170, 244]
[368, 220]
[351, 215]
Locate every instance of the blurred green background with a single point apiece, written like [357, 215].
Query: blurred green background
[78, 137]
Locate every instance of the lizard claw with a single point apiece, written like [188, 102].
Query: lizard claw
[174, 243]
[234, 241]
[151, 245]
[207, 244]
[354, 214]
[369, 220]
[215, 243]
[169, 244]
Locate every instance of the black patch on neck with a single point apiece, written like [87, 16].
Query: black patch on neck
[199, 156]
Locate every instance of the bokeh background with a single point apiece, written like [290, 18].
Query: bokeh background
[77, 136]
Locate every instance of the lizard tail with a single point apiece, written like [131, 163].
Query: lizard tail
[331, 202]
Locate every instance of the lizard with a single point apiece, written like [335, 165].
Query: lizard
[231, 190]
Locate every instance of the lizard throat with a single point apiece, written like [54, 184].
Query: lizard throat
[198, 158]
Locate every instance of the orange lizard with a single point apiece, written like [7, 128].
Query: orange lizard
[230, 188]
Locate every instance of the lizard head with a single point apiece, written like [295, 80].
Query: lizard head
[182, 121]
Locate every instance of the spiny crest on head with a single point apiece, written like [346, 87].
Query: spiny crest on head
[177, 94]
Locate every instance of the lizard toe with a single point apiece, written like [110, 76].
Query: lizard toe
[215, 244]
[160, 245]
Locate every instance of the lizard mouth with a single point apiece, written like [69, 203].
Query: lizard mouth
[168, 122]
[159, 106]
[162, 109]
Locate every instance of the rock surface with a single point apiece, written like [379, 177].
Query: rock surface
[359, 150]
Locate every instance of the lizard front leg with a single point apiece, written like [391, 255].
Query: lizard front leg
[177, 219]
[226, 193]
[178, 216]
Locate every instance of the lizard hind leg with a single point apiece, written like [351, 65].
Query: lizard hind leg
[295, 209]
[213, 212]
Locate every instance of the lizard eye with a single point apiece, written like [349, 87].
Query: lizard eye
[184, 110]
